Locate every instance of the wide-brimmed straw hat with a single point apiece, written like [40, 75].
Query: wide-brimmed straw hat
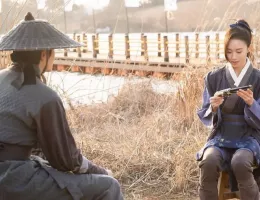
[31, 34]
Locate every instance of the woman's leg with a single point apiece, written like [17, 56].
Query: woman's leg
[241, 164]
[209, 174]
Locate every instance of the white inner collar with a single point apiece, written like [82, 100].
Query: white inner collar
[238, 79]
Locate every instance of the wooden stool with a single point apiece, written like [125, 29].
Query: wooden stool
[224, 191]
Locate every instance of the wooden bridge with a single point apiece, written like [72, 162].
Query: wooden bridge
[140, 54]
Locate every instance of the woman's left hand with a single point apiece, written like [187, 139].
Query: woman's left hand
[247, 96]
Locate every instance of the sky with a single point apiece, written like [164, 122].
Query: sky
[102, 3]
[89, 4]
[98, 4]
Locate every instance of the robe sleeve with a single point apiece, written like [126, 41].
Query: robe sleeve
[252, 114]
[57, 141]
[205, 113]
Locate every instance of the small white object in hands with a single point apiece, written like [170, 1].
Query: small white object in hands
[109, 172]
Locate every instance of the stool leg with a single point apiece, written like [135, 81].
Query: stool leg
[223, 178]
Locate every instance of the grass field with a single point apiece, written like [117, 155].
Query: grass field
[148, 140]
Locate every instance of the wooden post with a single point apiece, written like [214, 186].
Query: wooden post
[110, 46]
[187, 49]
[60, 68]
[142, 44]
[5, 59]
[74, 38]
[79, 48]
[159, 45]
[145, 49]
[208, 49]
[166, 49]
[177, 39]
[197, 45]
[85, 41]
[127, 47]
[97, 42]
[94, 46]
[217, 46]
[65, 53]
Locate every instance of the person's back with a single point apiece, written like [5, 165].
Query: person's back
[32, 113]
[19, 108]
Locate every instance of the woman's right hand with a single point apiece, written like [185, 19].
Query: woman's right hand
[215, 102]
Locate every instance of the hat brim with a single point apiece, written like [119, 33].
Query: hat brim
[36, 35]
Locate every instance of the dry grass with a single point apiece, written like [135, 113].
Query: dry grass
[149, 140]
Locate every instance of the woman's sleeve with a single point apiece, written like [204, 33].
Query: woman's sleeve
[252, 114]
[57, 141]
[205, 113]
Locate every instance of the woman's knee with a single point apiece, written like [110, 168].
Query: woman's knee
[242, 161]
[211, 159]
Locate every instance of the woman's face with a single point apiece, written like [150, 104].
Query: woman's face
[237, 53]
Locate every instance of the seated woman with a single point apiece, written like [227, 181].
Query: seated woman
[32, 113]
[233, 144]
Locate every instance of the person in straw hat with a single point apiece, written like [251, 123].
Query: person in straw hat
[32, 113]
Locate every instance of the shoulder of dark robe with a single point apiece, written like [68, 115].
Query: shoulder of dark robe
[256, 83]
[256, 73]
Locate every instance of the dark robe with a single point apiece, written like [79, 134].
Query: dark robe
[235, 125]
[32, 114]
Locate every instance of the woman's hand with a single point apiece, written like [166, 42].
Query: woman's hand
[247, 96]
[215, 102]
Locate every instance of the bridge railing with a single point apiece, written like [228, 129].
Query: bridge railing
[165, 47]
[182, 48]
